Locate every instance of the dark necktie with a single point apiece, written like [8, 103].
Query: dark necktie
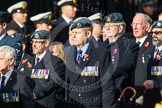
[139, 43]
[79, 56]
[3, 82]
[37, 60]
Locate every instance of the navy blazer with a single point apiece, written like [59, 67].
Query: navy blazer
[21, 85]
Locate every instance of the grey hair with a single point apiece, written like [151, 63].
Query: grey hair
[147, 18]
[9, 52]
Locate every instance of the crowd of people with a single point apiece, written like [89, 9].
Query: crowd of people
[79, 62]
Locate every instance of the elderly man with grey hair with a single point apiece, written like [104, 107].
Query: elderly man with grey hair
[15, 90]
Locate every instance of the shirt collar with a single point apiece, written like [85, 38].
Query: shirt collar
[21, 25]
[66, 19]
[42, 55]
[142, 40]
[7, 75]
[84, 48]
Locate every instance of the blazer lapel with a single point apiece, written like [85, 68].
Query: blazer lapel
[11, 81]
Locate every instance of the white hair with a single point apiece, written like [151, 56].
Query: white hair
[9, 52]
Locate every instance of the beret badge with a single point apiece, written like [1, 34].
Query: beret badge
[36, 35]
[23, 6]
[159, 24]
[78, 25]
[108, 19]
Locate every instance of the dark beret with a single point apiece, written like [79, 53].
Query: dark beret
[114, 18]
[41, 34]
[4, 17]
[81, 22]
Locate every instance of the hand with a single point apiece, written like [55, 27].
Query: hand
[148, 84]
[34, 96]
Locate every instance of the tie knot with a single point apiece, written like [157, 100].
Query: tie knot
[138, 42]
[80, 51]
[37, 59]
[3, 78]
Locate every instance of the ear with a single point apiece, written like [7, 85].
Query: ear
[47, 43]
[89, 33]
[4, 25]
[147, 27]
[121, 28]
[11, 61]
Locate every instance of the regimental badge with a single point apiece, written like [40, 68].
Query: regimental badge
[23, 6]
[159, 24]
[108, 19]
[10, 97]
[40, 73]
[74, 1]
[78, 25]
[36, 35]
[143, 58]
[90, 71]
[50, 17]
[156, 70]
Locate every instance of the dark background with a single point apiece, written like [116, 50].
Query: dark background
[85, 7]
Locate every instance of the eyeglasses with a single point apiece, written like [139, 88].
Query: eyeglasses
[156, 32]
[136, 24]
[111, 25]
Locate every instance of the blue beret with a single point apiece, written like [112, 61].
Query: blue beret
[41, 34]
[157, 24]
[114, 18]
[81, 22]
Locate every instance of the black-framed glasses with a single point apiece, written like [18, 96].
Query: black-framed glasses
[156, 32]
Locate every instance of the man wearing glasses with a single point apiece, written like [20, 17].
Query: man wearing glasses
[123, 51]
[157, 81]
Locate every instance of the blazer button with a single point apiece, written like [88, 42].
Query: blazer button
[79, 94]
[84, 81]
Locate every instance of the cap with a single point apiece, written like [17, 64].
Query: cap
[66, 2]
[114, 18]
[4, 17]
[19, 7]
[81, 22]
[96, 16]
[147, 3]
[157, 24]
[42, 18]
[41, 34]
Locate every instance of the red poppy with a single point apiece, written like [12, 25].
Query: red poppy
[115, 50]
[24, 61]
[158, 57]
[146, 44]
[85, 57]
[29, 65]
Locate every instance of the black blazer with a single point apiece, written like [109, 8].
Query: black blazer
[17, 84]
[46, 89]
[77, 93]
[60, 32]
[144, 62]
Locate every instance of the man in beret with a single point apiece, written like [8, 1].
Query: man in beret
[45, 69]
[12, 41]
[86, 65]
[156, 82]
[61, 26]
[123, 51]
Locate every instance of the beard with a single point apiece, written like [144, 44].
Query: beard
[157, 42]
